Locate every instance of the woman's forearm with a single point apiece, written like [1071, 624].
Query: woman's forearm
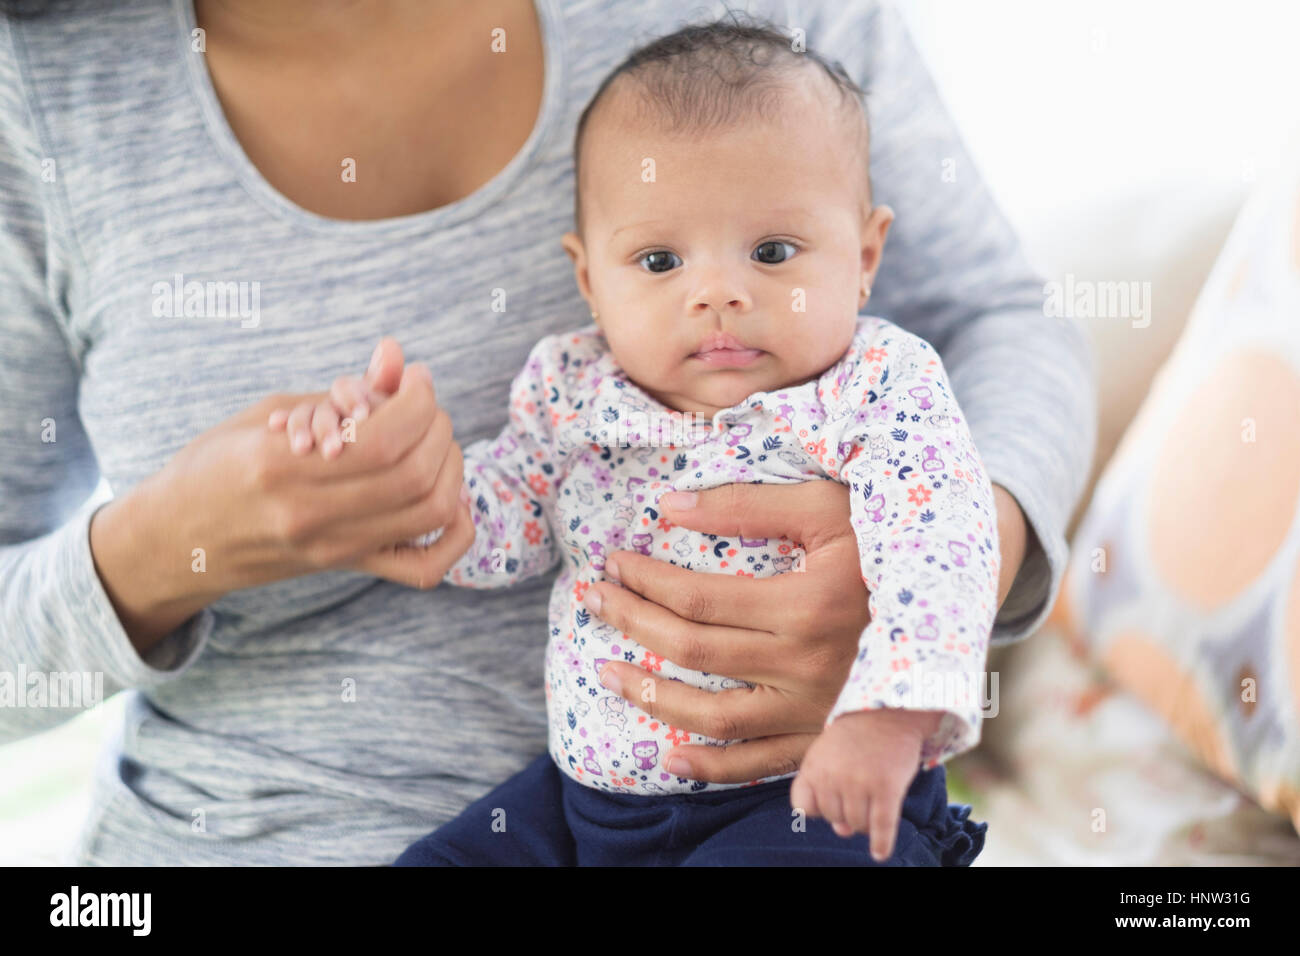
[1013, 534]
[1026, 386]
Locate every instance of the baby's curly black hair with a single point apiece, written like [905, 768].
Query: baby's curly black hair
[709, 75]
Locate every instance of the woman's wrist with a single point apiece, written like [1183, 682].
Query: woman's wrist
[152, 591]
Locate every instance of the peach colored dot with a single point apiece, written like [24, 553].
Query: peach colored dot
[1219, 506]
[1148, 670]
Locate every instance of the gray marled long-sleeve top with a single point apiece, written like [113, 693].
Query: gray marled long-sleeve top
[334, 718]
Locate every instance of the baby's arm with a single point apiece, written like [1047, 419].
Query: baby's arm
[512, 482]
[924, 516]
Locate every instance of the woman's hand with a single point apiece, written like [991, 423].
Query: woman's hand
[259, 513]
[793, 635]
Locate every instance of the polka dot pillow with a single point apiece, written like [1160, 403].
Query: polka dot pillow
[1184, 577]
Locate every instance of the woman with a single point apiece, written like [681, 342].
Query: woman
[207, 206]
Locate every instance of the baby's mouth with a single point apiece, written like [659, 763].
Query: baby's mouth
[728, 358]
[725, 350]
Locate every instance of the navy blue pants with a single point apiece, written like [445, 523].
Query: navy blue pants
[541, 817]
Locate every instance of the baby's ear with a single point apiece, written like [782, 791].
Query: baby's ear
[874, 231]
[573, 245]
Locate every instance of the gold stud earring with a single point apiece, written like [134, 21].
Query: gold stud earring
[594, 315]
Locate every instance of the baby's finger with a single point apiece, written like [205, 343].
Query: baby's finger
[857, 812]
[299, 428]
[803, 797]
[325, 427]
[352, 397]
[279, 418]
[833, 810]
[885, 812]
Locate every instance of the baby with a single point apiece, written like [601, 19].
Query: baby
[726, 242]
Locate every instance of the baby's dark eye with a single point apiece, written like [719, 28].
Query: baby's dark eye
[660, 261]
[773, 252]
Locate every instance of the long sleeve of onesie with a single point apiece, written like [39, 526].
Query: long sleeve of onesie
[922, 509]
[513, 479]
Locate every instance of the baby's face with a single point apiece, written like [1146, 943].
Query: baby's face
[726, 263]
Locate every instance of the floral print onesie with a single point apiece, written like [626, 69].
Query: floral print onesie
[577, 473]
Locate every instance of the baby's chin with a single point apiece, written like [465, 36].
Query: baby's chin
[710, 394]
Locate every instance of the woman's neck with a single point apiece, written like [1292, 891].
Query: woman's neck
[286, 25]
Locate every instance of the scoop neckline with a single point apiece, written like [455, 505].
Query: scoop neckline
[200, 83]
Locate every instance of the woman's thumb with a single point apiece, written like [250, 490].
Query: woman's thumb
[385, 371]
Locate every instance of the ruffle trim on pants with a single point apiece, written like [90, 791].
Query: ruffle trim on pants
[958, 840]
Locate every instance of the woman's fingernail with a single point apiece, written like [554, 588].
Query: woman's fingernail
[360, 412]
[609, 679]
[611, 568]
[592, 600]
[678, 766]
[464, 495]
[374, 360]
[301, 441]
[680, 500]
[331, 446]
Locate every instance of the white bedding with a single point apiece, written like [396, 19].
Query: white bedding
[1068, 752]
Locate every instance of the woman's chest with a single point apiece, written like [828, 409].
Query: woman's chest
[415, 113]
[177, 338]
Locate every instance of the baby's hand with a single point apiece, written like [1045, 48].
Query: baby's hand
[857, 773]
[322, 423]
